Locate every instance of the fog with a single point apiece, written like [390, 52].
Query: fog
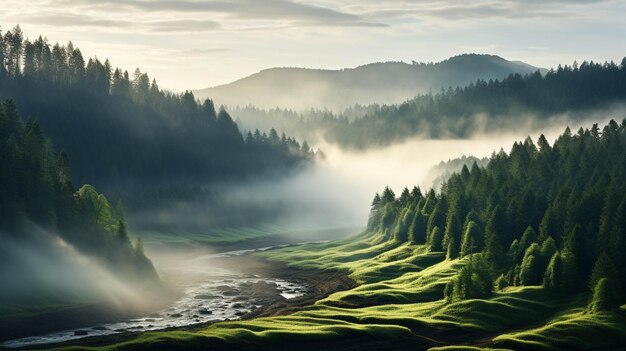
[331, 198]
[42, 268]
[326, 200]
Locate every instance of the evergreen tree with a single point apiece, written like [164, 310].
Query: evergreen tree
[603, 268]
[436, 218]
[501, 283]
[435, 238]
[453, 249]
[401, 232]
[494, 231]
[532, 268]
[605, 296]
[417, 229]
[453, 229]
[554, 276]
[388, 195]
[474, 280]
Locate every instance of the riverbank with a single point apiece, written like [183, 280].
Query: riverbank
[269, 300]
[62, 312]
[319, 285]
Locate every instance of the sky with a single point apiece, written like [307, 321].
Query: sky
[193, 44]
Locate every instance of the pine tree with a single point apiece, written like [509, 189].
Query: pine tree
[501, 283]
[471, 239]
[531, 269]
[494, 230]
[437, 217]
[453, 249]
[474, 280]
[605, 296]
[453, 229]
[435, 239]
[388, 195]
[553, 278]
[417, 230]
[603, 268]
[401, 232]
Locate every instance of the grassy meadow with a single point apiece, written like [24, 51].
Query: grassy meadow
[400, 298]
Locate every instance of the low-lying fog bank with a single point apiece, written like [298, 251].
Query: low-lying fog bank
[211, 287]
[324, 201]
[47, 284]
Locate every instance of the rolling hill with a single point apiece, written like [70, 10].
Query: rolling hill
[381, 82]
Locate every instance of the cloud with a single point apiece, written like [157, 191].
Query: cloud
[319, 33]
[456, 10]
[511, 10]
[69, 20]
[174, 16]
[203, 51]
[297, 13]
[185, 25]
[90, 21]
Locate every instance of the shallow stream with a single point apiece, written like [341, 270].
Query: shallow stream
[216, 294]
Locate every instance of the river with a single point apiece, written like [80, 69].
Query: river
[211, 291]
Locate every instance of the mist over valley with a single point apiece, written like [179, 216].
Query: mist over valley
[475, 201]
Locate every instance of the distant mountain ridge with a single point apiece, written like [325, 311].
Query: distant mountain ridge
[381, 82]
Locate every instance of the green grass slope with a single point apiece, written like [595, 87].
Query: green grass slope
[399, 304]
[575, 330]
[231, 237]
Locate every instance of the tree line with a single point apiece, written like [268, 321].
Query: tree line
[462, 111]
[458, 112]
[36, 189]
[122, 131]
[550, 215]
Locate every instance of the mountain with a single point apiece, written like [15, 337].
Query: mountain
[531, 101]
[574, 92]
[382, 82]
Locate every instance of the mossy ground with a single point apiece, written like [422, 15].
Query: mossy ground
[399, 304]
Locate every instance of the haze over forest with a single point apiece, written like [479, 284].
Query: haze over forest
[312, 174]
[382, 83]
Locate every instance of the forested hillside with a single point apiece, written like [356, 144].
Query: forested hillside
[121, 130]
[380, 82]
[551, 215]
[573, 92]
[37, 195]
[576, 91]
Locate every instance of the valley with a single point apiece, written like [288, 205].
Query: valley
[312, 175]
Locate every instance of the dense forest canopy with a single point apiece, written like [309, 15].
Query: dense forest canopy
[37, 194]
[551, 215]
[122, 131]
[572, 91]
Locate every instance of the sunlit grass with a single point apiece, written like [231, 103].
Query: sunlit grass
[573, 330]
[217, 236]
[401, 295]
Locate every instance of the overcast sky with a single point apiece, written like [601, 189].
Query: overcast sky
[189, 44]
